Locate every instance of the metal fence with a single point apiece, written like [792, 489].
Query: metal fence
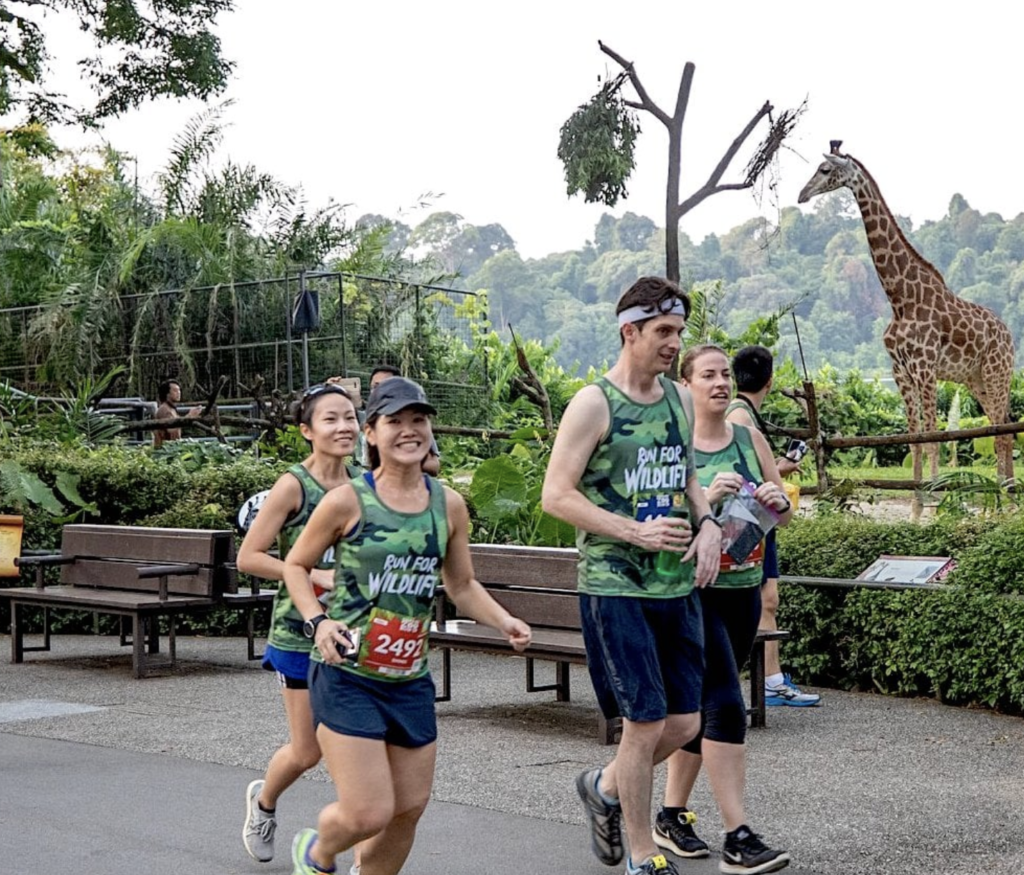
[249, 333]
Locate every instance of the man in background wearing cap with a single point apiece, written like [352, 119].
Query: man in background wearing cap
[622, 472]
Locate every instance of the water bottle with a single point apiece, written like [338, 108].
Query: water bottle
[668, 564]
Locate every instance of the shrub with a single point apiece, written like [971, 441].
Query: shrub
[963, 644]
[128, 486]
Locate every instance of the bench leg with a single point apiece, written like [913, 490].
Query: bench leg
[138, 646]
[608, 731]
[18, 646]
[445, 695]
[46, 631]
[250, 631]
[17, 631]
[560, 686]
[152, 625]
[171, 641]
[757, 707]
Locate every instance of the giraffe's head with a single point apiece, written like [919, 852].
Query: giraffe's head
[834, 172]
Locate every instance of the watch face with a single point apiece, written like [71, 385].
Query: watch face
[309, 626]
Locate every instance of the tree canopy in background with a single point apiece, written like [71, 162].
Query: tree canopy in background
[144, 50]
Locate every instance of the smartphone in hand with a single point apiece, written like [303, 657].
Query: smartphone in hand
[796, 450]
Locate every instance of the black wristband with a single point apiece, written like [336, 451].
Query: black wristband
[705, 519]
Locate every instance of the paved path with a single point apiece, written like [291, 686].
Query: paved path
[116, 776]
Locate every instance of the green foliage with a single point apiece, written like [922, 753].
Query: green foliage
[144, 51]
[125, 486]
[596, 146]
[505, 495]
[961, 644]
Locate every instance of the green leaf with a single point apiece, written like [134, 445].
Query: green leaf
[498, 489]
[24, 486]
[67, 483]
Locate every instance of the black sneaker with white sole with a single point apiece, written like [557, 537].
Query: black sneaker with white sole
[745, 854]
[673, 831]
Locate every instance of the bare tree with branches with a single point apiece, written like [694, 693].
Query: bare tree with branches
[597, 140]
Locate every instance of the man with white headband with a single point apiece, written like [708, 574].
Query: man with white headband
[622, 472]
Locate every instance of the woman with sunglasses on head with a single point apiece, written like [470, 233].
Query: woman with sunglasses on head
[396, 532]
[730, 458]
[326, 418]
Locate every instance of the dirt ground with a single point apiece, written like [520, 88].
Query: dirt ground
[885, 510]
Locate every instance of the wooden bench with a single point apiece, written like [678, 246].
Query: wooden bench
[138, 574]
[538, 584]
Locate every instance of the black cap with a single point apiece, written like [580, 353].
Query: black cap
[395, 394]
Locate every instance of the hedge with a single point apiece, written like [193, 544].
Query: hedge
[131, 487]
[963, 645]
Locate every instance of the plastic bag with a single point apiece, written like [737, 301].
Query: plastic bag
[745, 521]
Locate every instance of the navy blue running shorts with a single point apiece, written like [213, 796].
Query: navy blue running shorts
[770, 569]
[646, 656]
[400, 713]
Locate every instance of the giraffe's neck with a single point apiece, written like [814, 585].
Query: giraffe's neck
[900, 267]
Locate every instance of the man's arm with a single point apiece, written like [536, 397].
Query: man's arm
[707, 543]
[583, 425]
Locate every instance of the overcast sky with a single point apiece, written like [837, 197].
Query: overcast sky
[374, 104]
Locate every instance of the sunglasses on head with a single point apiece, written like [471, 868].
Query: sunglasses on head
[324, 389]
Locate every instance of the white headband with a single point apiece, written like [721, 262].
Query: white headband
[639, 312]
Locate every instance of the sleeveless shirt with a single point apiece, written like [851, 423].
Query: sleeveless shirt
[285, 619]
[739, 456]
[385, 575]
[643, 459]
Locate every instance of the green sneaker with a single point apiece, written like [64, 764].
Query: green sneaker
[303, 841]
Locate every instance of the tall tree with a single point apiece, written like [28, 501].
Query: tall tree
[597, 141]
[144, 49]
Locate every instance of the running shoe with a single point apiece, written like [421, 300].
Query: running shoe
[745, 854]
[258, 832]
[676, 834]
[303, 841]
[605, 819]
[787, 693]
[656, 865]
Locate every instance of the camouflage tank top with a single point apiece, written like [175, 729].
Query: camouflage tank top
[285, 619]
[643, 459]
[385, 575]
[739, 456]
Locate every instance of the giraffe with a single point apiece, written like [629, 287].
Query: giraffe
[934, 335]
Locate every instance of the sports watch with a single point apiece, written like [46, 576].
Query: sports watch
[309, 626]
[707, 518]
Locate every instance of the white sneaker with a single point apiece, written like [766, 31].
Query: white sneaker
[787, 693]
[258, 832]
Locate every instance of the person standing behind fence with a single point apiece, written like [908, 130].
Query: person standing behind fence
[621, 471]
[326, 417]
[752, 368]
[396, 532]
[168, 393]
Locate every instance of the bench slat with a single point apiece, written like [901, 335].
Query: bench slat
[212, 549]
[540, 608]
[87, 599]
[548, 567]
[110, 575]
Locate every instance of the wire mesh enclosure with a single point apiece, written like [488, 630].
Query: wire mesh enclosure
[273, 335]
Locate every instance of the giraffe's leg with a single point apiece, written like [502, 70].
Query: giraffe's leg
[928, 419]
[908, 390]
[993, 394]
